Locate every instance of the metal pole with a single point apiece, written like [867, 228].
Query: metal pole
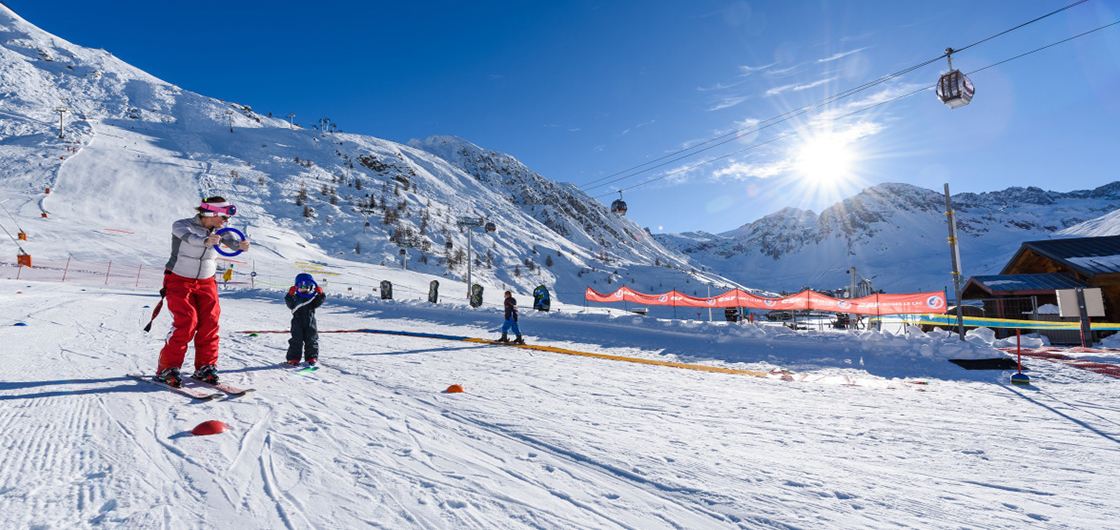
[955, 253]
[709, 305]
[852, 288]
[1083, 312]
[470, 245]
[61, 122]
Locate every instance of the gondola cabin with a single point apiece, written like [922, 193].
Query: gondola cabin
[490, 227]
[955, 89]
[618, 207]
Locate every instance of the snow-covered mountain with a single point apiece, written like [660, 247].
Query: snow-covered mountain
[136, 153]
[896, 235]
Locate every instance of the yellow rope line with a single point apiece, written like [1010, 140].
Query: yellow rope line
[699, 367]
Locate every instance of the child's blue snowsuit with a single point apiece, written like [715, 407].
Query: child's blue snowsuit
[305, 333]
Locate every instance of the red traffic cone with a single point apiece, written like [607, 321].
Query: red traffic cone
[209, 427]
[453, 389]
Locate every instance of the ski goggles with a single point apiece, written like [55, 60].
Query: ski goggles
[211, 209]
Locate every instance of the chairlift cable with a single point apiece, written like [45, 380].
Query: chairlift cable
[14, 240]
[858, 111]
[691, 151]
[10, 215]
[776, 138]
[958, 50]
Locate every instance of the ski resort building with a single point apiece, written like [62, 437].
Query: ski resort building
[1039, 269]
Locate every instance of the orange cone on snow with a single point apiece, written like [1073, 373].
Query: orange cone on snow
[453, 389]
[209, 427]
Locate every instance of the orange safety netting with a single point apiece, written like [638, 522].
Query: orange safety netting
[876, 304]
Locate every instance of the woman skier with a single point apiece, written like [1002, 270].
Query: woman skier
[191, 292]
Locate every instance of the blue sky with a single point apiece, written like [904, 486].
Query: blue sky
[583, 91]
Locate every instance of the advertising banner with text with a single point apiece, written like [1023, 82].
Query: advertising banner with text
[876, 304]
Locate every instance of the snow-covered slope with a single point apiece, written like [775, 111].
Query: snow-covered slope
[138, 153]
[866, 429]
[1105, 225]
[894, 234]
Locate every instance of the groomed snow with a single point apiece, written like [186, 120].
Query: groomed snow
[871, 430]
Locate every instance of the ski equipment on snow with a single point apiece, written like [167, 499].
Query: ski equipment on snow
[195, 393]
[224, 387]
[155, 312]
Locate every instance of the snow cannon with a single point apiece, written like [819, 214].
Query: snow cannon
[209, 427]
[1020, 379]
[454, 389]
[304, 280]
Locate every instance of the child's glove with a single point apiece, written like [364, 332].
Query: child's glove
[292, 290]
[318, 290]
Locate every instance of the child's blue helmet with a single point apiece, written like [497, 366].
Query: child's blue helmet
[304, 280]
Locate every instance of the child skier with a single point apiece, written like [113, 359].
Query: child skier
[303, 299]
[511, 320]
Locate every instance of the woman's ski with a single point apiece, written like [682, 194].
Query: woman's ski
[195, 393]
[224, 387]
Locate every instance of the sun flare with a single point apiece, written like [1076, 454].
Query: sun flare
[826, 158]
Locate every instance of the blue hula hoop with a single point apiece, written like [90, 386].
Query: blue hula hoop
[237, 233]
[310, 294]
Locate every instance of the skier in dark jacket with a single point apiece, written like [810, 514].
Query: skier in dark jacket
[303, 299]
[511, 320]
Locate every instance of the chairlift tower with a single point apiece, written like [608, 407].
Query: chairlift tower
[291, 124]
[470, 224]
[955, 253]
[61, 122]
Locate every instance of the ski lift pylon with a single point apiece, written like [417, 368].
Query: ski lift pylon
[954, 88]
[618, 207]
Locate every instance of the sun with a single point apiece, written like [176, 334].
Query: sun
[825, 159]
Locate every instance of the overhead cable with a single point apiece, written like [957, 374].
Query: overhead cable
[837, 118]
[733, 135]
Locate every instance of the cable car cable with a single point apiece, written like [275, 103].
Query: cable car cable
[802, 110]
[790, 133]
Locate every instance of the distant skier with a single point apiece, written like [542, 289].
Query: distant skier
[511, 320]
[191, 292]
[303, 299]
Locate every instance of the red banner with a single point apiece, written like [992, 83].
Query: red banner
[876, 304]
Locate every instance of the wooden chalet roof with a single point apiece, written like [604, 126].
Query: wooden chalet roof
[1024, 284]
[1086, 256]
